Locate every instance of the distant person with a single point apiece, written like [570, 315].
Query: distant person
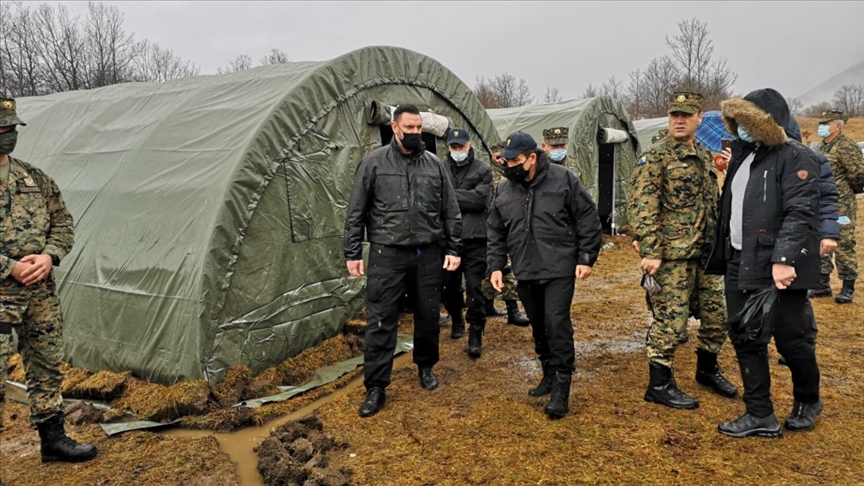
[508, 292]
[847, 165]
[471, 179]
[672, 201]
[556, 141]
[403, 201]
[768, 238]
[36, 232]
[545, 220]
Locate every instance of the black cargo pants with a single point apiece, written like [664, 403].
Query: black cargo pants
[473, 267]
[391, 268]
[547, 303]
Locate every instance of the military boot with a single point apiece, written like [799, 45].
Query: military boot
[514, 316]
[708, 374]
[57, 446]
[489, 308]
[545, 386]
[662, 389]
[457, 328]
[475, 341]
[845, 295]
[747, 425]
[823, 289]
[560, 399]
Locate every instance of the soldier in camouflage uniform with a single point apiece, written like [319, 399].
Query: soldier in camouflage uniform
[36, 232]
[672, 206]
[847, 165]
[514, 316]
[555, 141]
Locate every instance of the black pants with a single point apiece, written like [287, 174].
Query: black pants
[547, 303]
[473, 266]
[390, 269]
[794, 332]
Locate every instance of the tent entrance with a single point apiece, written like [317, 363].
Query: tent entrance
[606, 185]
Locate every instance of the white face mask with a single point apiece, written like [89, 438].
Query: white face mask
[459, 156]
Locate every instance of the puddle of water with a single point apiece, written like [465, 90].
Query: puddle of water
[239, 445]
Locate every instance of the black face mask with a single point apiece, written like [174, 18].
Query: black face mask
[8, 140]
[516, 173]
[411, 141]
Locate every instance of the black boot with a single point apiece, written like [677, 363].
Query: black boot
[514, 316]
[824, 287]
[662, 389]
[560, 399]
[428, 380]
[803, 416]
[845, 295]
[747, 425]
[375, 398]
[475, 341]
[708, 374]
[58, 447]
[457, 328]
[545, 386]
[491, 311]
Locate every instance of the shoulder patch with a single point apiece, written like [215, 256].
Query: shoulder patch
[642, 160]
[802, 174]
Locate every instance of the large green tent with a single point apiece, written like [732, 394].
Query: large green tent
[209, 211]
[648, 128]
[604, 167]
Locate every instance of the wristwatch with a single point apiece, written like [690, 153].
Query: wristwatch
[55, 260]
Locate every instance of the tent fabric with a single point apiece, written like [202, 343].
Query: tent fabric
[646, 129]
[584, 118]
[209, 210]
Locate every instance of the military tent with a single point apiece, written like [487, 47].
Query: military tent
[209, 210]
[604, 167]
[646, 129]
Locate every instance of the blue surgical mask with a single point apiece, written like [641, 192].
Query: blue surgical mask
[459, 156]
[558, 154]
[743, 135]
[823, 131]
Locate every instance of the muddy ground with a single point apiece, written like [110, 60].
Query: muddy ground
[480, 426]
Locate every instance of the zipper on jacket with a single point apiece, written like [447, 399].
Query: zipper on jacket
[765, 186]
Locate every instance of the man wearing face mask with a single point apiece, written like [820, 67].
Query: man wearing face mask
[673, 212]
[36, 232]
[555, 142]
[847, 165]
[402, 199]
[767, 238]
[509, 294]
[472, 183]
[547, 222]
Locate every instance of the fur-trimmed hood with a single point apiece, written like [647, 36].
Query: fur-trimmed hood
[763, 113]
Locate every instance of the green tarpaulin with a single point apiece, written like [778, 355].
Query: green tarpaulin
[604, 168]
[209, 211]
[646, 129]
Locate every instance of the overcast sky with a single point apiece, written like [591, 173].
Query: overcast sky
[790, 46]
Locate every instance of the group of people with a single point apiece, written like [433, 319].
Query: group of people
[709, 250]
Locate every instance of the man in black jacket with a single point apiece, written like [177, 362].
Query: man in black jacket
[472, 183]
[547, 222]
[403, 200]
[768, 238]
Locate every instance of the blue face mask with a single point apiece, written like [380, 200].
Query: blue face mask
[743, 135]
[558, 154]
[458, 156]
[823, 131]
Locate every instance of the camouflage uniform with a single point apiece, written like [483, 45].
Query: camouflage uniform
[509, 292]
[561, 136]
[847, 165]
[33, 220]
[660, 135]
[673, 210]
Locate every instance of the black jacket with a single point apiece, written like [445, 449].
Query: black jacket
[547, 226]
[781, 200]
[402, 200]
[828, 210]
[472, 183]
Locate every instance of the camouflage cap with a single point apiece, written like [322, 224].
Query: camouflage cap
[662, 133]
[831, 115]
[556, 135]
[8, 115]
[498, 146]
[685, 102]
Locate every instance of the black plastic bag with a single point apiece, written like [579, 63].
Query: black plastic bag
[758, 312]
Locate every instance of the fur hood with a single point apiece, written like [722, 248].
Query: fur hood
[763, 113]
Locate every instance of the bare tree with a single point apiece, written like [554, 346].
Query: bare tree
[850, 99]
[109, 51]
[613, 88]
[591, 92]
[660, 80]
[275, 56]
[551, 96]
[155, 64]
[634, 94]
[503, 91]
[61, 48]
[240, 63]
[796, 106]
[20, 64]
[816, 110]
